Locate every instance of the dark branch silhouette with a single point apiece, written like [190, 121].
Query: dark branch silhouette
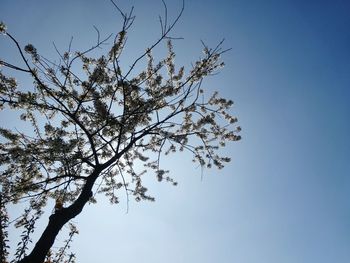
[90, 129]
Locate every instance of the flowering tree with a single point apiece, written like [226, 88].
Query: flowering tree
[89, 130]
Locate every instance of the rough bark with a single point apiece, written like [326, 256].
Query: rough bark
[58, 220]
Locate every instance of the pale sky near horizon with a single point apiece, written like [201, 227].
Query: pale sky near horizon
[285, 197]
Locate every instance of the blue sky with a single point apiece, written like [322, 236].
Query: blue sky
[285, 196]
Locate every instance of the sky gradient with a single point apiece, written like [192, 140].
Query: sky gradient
[285, 195]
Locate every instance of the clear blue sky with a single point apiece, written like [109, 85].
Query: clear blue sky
[285, 197]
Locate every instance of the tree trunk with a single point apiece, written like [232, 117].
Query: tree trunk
[58, 220]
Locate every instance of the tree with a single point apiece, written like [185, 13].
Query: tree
[89, 130]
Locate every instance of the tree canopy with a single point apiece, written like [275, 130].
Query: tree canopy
[93, 120]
